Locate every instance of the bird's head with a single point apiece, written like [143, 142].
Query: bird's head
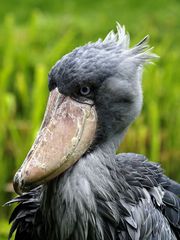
[95, 93]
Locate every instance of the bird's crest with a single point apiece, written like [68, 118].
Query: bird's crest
[140, 53]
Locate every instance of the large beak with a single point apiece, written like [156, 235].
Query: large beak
[67, 131]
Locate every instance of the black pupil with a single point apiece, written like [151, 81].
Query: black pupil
[85, 90]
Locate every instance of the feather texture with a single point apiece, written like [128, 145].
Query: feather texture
[134, 214]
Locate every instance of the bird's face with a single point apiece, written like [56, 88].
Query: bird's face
[95, 93]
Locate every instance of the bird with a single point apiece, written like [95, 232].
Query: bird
[72, 185]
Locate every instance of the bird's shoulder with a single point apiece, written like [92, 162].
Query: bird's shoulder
[139, 171]
[148, 178]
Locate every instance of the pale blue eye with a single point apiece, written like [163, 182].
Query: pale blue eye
[85, 90]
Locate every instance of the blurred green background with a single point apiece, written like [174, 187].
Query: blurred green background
[34, 34]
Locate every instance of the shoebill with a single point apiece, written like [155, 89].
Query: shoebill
[72, 185]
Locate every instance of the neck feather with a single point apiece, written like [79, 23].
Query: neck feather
[73, 195]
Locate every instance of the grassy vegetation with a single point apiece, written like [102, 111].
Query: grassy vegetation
[35, 34]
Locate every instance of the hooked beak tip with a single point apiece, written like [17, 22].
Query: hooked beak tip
[20, 185]
[17, 183]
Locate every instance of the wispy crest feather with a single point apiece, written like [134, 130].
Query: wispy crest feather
[140, 52]
[121, 37]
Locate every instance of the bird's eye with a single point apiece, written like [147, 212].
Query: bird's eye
[85, 90]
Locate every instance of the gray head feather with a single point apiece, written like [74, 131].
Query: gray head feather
[113, 70]
[97, 61]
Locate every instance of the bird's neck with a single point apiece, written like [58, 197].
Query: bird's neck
[73, 194]
[111, 145]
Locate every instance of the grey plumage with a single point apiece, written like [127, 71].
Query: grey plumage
[103, 196]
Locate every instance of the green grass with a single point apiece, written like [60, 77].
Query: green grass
[35, 34]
